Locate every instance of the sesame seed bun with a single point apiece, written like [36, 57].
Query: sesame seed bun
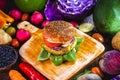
[59, 31]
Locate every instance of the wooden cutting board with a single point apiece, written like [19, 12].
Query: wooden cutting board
[89, 50]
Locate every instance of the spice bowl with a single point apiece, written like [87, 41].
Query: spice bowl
[8, 57]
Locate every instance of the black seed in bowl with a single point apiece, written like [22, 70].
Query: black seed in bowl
[8, 56]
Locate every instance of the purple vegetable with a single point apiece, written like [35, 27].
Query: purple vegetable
[111, 62]
[51, 12]
[2, 4]
[75, 9]
[68, 9]
[116, 78]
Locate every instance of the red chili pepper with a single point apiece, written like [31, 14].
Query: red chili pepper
[30, 72]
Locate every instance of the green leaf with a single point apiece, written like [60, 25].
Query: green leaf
[57, 59]
[44, 55]
[79, 41]
[70, 56]
[80, 74]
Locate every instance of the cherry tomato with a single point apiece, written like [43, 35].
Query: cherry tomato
[15, 43]
[51, 44]
[25, 17]
[97, 70]
[98, 37]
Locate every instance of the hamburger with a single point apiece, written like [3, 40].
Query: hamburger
[59, 42]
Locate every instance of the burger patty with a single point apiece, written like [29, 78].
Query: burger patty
[63, 50]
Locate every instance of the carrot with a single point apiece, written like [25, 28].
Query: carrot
[97, 70]
[15, 75]
[98, 37]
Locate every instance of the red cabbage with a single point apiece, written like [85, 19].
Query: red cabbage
[51, 12]
[68, 9]
[74, 9]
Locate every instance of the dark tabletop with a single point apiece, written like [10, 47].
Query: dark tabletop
[4, 75]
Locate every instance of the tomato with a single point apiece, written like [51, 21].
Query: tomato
[25, 17]
[51, 44]
[98, 37]
[30, 5]
[97, 70]
[15, 43]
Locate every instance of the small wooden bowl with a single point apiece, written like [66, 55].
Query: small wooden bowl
[7, 67]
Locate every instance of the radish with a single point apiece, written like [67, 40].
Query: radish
[16, 14]
[44, 23]
[36, 18]
[22, 35]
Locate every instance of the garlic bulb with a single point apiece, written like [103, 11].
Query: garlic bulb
[4, 37]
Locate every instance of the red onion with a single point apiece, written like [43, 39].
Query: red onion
[2, 4]
[111, 62]
[22, 35]
[57, 48]
[16, 14]
[36, 18]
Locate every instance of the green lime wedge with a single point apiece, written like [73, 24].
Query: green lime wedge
[44, 55]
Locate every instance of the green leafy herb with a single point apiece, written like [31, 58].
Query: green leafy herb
[80, 74]
[70, 56]
[57, 59]
[79, 41]
[44, 55]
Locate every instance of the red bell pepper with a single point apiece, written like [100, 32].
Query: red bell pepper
[30, 72]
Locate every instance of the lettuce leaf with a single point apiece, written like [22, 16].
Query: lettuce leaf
[70, 56]
[79, 41]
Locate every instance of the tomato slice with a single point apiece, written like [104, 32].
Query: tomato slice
[51, 44]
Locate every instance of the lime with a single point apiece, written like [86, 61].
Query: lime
[44, 55]
[86, 27]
